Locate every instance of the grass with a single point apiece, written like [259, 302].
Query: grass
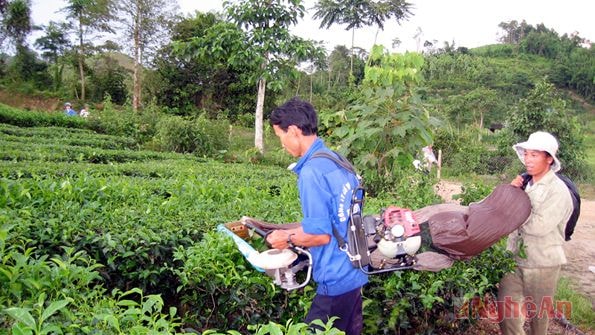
[583, 315]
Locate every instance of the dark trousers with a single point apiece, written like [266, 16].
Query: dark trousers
[347, 307]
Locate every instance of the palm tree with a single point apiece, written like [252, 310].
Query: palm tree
[358, 13]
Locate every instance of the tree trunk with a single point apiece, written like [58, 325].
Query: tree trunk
[136, 73]
[81, 59]
[351, 58]
[59, 69]
[480, 124]
[258, 119]
[297, 90]
[311, 86]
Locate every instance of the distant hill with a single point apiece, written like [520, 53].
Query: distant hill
[124, 60]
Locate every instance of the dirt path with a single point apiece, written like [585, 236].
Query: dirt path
[580, 252]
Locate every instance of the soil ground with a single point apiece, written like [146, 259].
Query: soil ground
[580, 252]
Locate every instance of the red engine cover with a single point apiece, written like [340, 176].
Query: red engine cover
[402, 216]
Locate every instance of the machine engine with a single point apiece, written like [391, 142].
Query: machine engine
[394, 233]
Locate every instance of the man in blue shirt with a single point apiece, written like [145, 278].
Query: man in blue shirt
[325, 191]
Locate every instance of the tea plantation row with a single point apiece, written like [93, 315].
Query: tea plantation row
[100, 237]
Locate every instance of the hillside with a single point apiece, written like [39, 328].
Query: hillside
[29, 101]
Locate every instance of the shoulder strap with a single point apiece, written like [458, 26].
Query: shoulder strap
[345, 164]
[337, 158]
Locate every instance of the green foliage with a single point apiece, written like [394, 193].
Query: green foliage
[494, 50]
[478, 107]
[66, 136]
[582, 314]
[107, 78]
[290, 328]
[223, 290]
[572, 56]
[36, 324]
[26, 73]
[200, 136]
[149, 220]
[125, 122]
[423, 302]
[16, 22]
[200, 68]
[463, 154]
[411, 189]
[384, 128]
[21, 118]
[64, 294]
[473, 192]
[543, 110]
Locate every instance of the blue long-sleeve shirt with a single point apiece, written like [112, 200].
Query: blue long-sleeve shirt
[325, 191]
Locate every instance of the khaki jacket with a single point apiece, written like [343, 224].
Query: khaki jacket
[543, 233]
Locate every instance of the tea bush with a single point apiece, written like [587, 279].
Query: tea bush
[21, 118]
[64, 294]
[141, 125]
[143, 223]
[199, 136]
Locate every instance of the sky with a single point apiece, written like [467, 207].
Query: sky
[467, 23]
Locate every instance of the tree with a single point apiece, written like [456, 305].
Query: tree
[474, 106]
[358, 13]
[16, 26]
[107, 78]
[338, 66]
[269, 43]
[55, 45]
[542, 109]
[145, 24]
[88, 17]
[198, 69]
[387, 124]
[542, 41]
[16, 22]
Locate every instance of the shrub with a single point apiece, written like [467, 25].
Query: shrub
[237, 295]
[125, 122]
[196, 135]
[473, 192]
[543, 110]
[387, 123]
[64, 294]
[23, 118]
[463, 154]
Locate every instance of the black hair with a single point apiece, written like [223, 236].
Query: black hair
[296, 112]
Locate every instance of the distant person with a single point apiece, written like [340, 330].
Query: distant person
[428, 160]
[537, 244]
[68, 110]
[429, 157]
[85, 111]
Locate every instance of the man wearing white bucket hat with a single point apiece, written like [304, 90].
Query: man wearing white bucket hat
[529, 291]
